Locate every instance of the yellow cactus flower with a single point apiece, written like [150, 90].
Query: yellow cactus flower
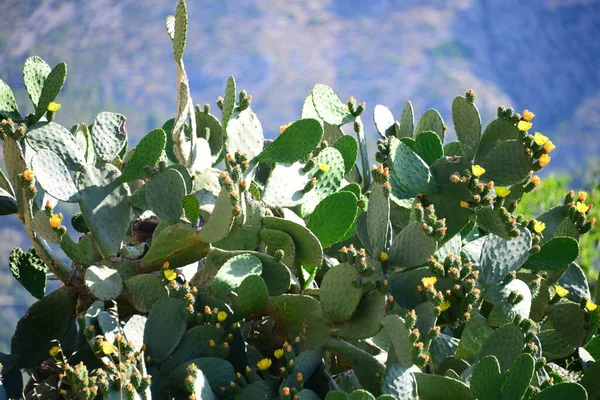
[324, 167]
[590, 306]
[107, 347]
[282, 128]
[54, 351]
[502, 191]
[464, 204]
[55, 221]
[524, 125]
[445, 305]
[28, 175]
[54, 107]
[561, 291]
[264, 364]
[166, 265]
[549, 146]
[477, 170]
[528, 115]
[428, 282]
[539, 139]
[278, 353]
[581, 207]
[582, 195]
[170, 274]
[535, 180]
[222, 316]
[544, 160]
[539, 226]
[383, 256]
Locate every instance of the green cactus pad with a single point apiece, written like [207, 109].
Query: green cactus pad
[410, 175]
[367, 368]
[103, 283]
[491, 220]
[398, 333]
[500, 256]
[35, 72]
[147, 153]
[301, 316]
[384, 121]
[474, 334]
[437, 387]
[309, 251]
[160, 342]
[54, 313]
[295, 143]
[400, 382]
[165, 192]
[328, 183]
[278, 240]
[84, 252]
[429, 147]
[53, 176]
[104, 205]
[191, 206]
[52, 136]
[443, 346]
[5, 184]
[244, 133]
[180, 30]
[228, 104]
[220, 221]
[377, 220]
[29, 270]
[252, 296]
[233, 272]
[518, 378]
[52, 86]
[334, 395]
[407, 120]
[329, 106]
[487, 379]
[206, 121]
[447, 205]
[134, 331]
[507, 163]
[565, 390]
[8, 104]
[412, 246]
[41, 226]
[193, 344]
[285, 185]
[467, 124]
[568, 320]
[144, 290]
[497, 131]
[553, 218]
[217, 371]
[15, 164]
[504, 312]
[453, 149]
[179, 244]
[431, 120]
[333, 217]
[8, 204]
[339, 297]
[366, 320]
[444, 167]
[348, 148]
[506, 344]
[109, 135]
[557, 253]
[575, 281]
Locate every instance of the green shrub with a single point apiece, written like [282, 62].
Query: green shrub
[294, 271]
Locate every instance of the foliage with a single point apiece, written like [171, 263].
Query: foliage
[294, 271]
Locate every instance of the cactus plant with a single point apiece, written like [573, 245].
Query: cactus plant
[295, 272]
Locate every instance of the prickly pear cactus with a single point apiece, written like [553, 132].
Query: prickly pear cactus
[295, 272]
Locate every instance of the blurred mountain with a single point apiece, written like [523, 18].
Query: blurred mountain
[541, 55]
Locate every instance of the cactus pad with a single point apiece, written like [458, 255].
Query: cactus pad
[147, 153]
[497, 131]
[296, 142]
[179, 244]
[8, 204]
[333, 217]
[165, 192]
[29, 270]
[109, 135]
[103, 283]
[437, 387]
[407, 120]
[162, 342]
[329, 107]
[220, 221]
[507, 163]
[348, 148]
[506, 344]
[398, 333]
[431, 120]
[53, 176]
[384, 121]
[205, 121]
[309, 251]
[104, 205]
[339, 297]
[500, 256]
[557, 253]
[411, 175]
[378, 215]
[412, 246]
[429, 147]
[486, 379]
[467, 124]
[143, 291]
[233, 272]
[328, 183]
[8, 104]
[244, 133]
[35, 72]
[52, 86]
[285, 185]
[228, 104]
